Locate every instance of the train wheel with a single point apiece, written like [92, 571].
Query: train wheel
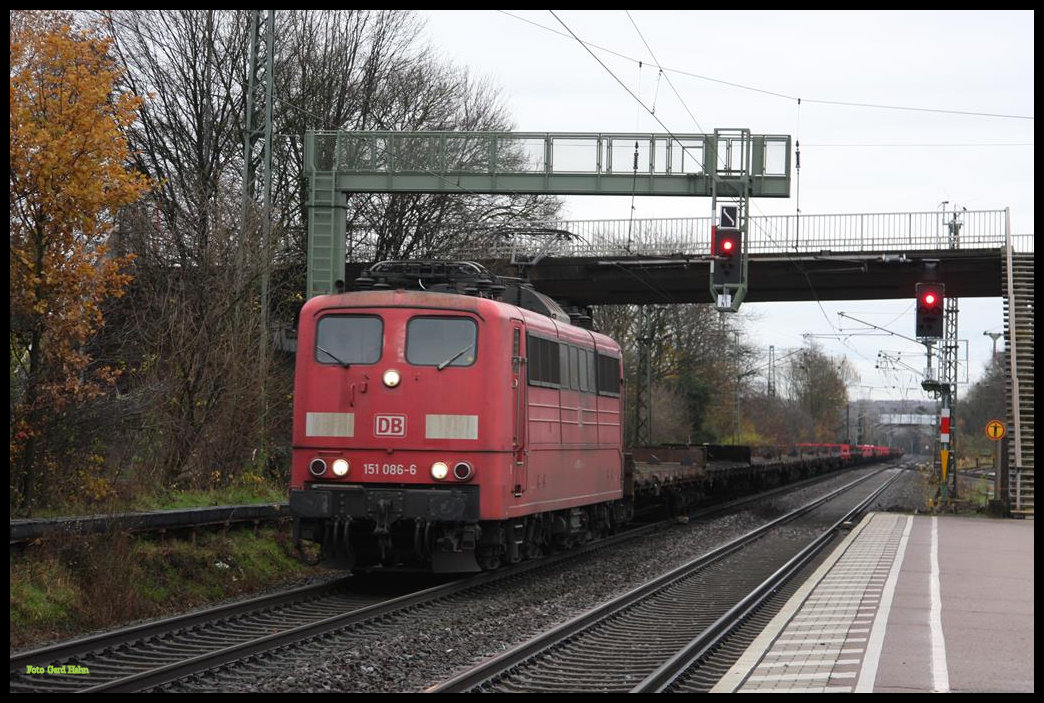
[489, 558]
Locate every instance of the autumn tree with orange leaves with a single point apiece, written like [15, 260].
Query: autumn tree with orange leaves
[69, 174]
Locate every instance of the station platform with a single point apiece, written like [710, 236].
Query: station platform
[905, 604]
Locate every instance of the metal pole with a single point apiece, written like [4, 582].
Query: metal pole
[643, 394]
[248, 168]
[266, 229]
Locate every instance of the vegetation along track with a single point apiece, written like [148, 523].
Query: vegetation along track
[645, 639]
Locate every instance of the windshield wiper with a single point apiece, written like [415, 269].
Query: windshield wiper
[332, 356]
[453, 358]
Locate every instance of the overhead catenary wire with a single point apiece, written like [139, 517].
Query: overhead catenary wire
[781, 95]
[651, 111]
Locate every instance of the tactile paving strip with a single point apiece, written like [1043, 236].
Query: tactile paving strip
[818, 642]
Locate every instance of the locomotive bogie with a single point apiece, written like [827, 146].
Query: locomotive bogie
[444, 545]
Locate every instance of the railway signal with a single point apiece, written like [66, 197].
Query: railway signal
[930, 297]
[727, 250]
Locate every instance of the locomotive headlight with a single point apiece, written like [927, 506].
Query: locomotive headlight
[439, 470]
[391, 378]
[340, 467]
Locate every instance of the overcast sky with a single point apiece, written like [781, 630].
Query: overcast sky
[968, 139]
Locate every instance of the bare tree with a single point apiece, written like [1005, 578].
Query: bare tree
[818, 386]
[190, 334]
[696, 359]
[984, 401]
[365, 70]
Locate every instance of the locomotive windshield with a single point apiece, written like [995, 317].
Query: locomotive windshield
[348, 339]
[441, 341]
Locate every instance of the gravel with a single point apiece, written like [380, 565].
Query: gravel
[432, 646]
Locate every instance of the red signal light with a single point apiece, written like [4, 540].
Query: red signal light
[727, 252]
[930, 313]
[725, 242]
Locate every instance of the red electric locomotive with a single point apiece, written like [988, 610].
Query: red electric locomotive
[453, 428]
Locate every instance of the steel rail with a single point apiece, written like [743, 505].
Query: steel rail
[491, 668]
[708, 640]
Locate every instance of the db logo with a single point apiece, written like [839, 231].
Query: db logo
[389, 425]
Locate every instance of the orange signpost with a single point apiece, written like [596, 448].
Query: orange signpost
[995, 430]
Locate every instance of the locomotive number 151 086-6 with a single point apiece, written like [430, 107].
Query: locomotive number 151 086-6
[375, 469]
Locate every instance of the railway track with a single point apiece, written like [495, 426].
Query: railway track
[156, 653]
[238, 643]
[121, 654]
[659, 636]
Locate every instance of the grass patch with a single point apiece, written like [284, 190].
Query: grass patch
[232, 495]
[976, 492]
[249, 490]
[42, 595]
[70, 587]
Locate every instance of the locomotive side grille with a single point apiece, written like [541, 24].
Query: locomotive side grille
[330, 424]
[451, 426]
